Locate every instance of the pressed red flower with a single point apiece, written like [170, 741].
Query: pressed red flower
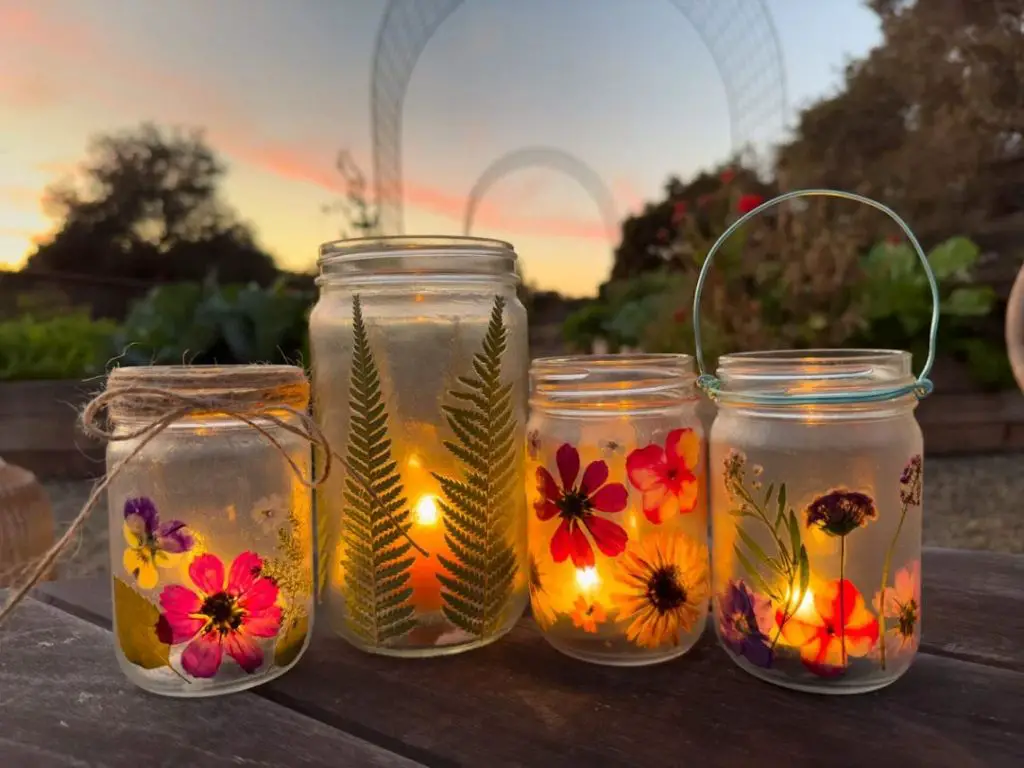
[665, 476]
[748, 202]
[679, 211]
[220, 616]
[577, 505]
[727, 176]
[839, 625]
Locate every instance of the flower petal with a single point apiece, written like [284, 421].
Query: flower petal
[144, 509]
[545, 509]
[207, 572]
[610, 537]
[682, 446]
[653, 499]
[138, 563]
[203, 655]
[245, 651]
[687, 493]
[260, 596]
[174, 537]
[582, 552]
[835, 603]
[561, 542]
[245, 570]
[568, 460]
[265, 623]
[594, 476]
[611, 498]
[179, 622]
[546, 485]
[135, 531]
[645, 467]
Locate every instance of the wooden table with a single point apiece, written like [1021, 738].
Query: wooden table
[63, 701]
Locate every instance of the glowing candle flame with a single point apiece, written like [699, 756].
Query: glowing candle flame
[426, 511]
[414, 461]
[587, 578]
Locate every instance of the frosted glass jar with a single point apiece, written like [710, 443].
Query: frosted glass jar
[211, 540]
[816, 518]
[420, 359]
[618, 520]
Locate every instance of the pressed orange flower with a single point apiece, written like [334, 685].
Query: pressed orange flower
[588, 615]
[666, 477]
[665, 586]
[840, 626]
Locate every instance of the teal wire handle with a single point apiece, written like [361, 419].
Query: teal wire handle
[920, 388]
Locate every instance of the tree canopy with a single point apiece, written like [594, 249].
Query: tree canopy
[145, 204]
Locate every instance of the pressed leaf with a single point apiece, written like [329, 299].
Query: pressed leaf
[781, 507]
[479, 578]
[135, 619]
[768, 494]
[794, 533]
[805, 572]
[290, 644]
[377, 561]
[754, 574]
[756, 550]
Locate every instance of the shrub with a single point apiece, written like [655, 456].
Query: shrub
[69, 347]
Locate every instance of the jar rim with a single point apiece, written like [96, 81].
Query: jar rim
[400, 258]
[635, 380]
[802, 373]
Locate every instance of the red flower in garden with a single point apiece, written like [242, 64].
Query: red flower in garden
[748, 202]
[894, 239]
[665, 476]
[839, 625]
[680, 315]
[662, 235]
[577, 505]
[220, 616]
[727, 176]
[678, 211]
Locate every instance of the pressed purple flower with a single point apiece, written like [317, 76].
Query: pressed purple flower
[839, 512]
[910, 481]
[738, 624]
[150, 542]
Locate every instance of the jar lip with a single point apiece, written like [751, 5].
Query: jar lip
[353, 249]
[638, 380]
[808, 372]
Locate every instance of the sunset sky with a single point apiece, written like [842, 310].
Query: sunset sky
[280, 87]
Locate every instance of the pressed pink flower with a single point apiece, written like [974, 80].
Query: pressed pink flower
[902, 609]
[577, 505]
[220, 615]
[666, 476]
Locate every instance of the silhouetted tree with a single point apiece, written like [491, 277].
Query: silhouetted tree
[145, 205]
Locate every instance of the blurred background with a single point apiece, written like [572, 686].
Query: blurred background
[167, 172]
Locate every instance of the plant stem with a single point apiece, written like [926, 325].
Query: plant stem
[886, 566]
[842, 590]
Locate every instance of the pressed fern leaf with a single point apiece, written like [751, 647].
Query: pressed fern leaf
[480, 575]
[377, 558]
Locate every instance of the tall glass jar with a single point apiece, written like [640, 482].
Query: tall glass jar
[618, 523]
[420, 358]
[211, 537]
[816, 517]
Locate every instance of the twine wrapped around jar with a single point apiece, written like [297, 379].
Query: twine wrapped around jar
[256, 395]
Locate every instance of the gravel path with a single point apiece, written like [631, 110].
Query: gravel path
[970, 503]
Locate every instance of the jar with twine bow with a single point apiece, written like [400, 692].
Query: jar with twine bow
[209, 490]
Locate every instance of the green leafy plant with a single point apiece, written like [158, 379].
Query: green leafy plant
[481, 572]
[70, 347]
[375, 525]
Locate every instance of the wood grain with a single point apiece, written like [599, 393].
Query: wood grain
[520, 703]
[64, 702]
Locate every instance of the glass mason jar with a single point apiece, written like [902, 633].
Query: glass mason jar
[211, 539]
[816, 517]
[419, 348]
[618, 568]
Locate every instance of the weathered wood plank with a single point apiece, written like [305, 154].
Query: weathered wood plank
[519, 702]
[64, 702]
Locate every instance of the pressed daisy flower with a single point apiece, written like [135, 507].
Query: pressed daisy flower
[151, 544]
[588, 615]
[540, 600]
[221, 615]
[663, 583]
[902, 609]
[839, 626]
[666, 476]
[577, 507]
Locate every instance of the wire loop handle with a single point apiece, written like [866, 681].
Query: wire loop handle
[711, 385]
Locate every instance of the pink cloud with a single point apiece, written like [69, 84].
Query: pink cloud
[230, 129]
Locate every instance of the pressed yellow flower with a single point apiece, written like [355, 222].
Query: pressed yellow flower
[150, 543]
[588, 615]
[540, 600]
[663, 588]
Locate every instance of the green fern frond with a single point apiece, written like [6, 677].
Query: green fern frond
[481, 572]
[375, 524]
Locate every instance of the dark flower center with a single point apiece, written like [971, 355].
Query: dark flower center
[574, 504]
[672, 473]
[225, 615]
[664, 591]
[907, 618]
